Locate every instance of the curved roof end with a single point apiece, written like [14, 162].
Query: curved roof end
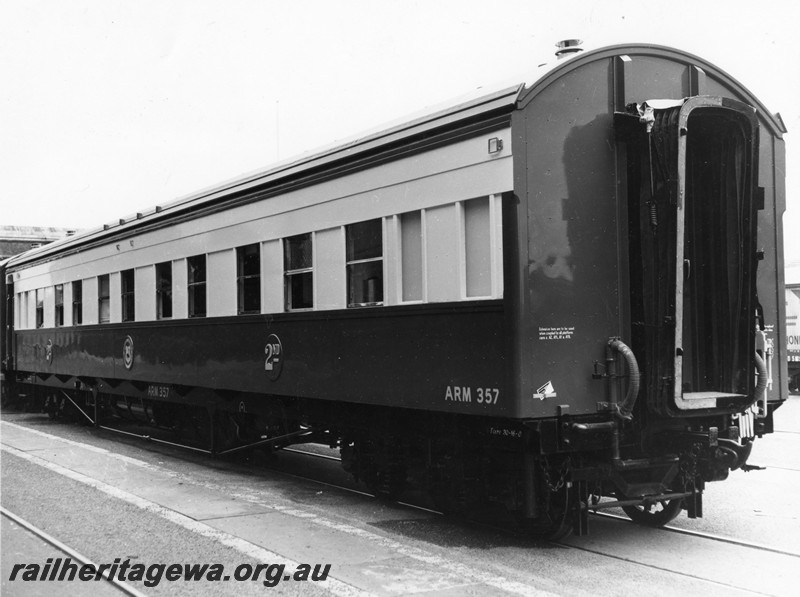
[557, 69]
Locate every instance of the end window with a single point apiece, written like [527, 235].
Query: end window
[411, 255]
[478, 247]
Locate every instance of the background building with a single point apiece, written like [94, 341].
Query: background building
[17, 239]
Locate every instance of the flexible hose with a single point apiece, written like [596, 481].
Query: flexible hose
[625, 408]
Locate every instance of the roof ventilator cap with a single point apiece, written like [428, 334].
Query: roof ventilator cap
[568, 46]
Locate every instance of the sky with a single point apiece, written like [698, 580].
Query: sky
[108, 107]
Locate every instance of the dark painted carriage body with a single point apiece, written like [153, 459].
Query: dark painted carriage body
[573, 235]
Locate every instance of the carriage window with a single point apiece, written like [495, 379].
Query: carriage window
[299, 272]
[30, 308]
[164, 290]
[477, 239]
[411, 255]
[197, 285]
[40, 308]
[128, 295]
[77, 303]
[248, 279]
[59, 305]
[22, 310]
[365, 263]
[103, 299]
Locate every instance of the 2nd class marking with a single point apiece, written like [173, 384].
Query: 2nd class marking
[469, 394]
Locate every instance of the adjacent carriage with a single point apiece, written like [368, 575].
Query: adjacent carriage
[547, 299]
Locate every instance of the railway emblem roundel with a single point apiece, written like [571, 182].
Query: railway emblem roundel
[273, 357]
[127, 352]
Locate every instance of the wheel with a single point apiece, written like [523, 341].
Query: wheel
[556, 517]
[388, 483]
[549, 529]
[654, 514]
[382, 470]
[556, 524]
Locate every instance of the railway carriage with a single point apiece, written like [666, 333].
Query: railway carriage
[547, 299]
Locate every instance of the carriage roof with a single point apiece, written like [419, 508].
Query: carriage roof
[481, 103]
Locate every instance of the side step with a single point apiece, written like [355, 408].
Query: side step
[644, 500]
[645, 463]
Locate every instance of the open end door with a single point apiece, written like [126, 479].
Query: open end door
[692, 207]
[716, 292]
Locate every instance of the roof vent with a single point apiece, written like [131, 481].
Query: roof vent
[568, 46]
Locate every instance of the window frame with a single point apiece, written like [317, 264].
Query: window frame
[58, 308]
[290, 274]
[477, 248]
[194, 286]
[128, 294]
[412, 263]
[163, 296]
[104, 299]
[21, 311]
[245, 281]
[39, 298]
[352, 264]
[77, 302]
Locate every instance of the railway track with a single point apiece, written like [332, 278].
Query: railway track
[604, 545]
[709, 536]
[668, 528]
[608, 551]
[76, 557]
[320, 452]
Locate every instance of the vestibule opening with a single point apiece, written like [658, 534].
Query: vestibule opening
[719, 254]
[692, 204]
